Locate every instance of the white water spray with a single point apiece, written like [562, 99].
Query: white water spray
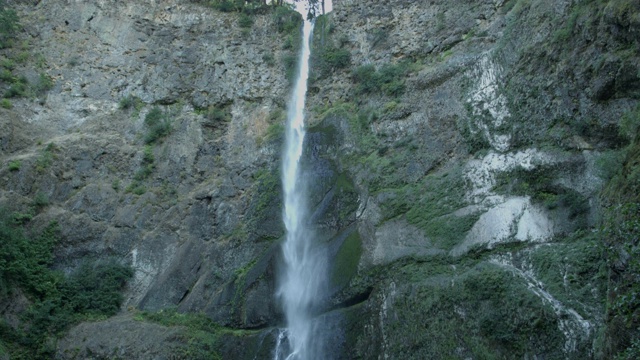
[301, 282]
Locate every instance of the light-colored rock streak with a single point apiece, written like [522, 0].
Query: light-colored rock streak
[482, 173]
[574, 327]
[506, 218]
[516, 219]
[486, 98]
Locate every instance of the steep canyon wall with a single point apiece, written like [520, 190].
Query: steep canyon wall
[458, 151]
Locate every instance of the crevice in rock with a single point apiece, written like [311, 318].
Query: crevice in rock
[356, 299]
[184, 296]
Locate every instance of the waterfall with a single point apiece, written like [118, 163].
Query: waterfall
[302, 280]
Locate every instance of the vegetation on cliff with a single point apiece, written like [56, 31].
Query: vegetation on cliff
[621, 234]
[48, 301]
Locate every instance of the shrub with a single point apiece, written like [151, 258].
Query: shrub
[388, 80]
[136, 188]
[24, 261]
[6, 75]
[159, 125]
[129, 101]
[379, 36]
[331, 58]
[95, 288]
[7, 64]
[215, 114]
[21, 218]
[203, 336]
[148, 157]
[40, 201]
[153, 117]
[268, 59]
[336, 57]
[14, 165]
[22, 57]
[290, 65]
[8, 24]
[18, 89]
[227, 5]
[245, 21]
[6, 104]
[46, 157]
[148, 164]
[275, 131]
[157, 132]
[43, 84]
[92, 290]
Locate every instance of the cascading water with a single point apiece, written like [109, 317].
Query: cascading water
[303, 277]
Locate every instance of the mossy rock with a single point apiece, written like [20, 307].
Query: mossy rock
[346, 260]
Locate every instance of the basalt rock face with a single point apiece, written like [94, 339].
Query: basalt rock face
[196, 213]
[479, 136]
[456, 152]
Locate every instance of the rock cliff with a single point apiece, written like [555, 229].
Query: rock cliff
[457, 152]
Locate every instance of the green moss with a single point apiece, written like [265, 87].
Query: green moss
[478, 312]
[344, 183]
[564, 34]
[268, 183]
[266, 206]
[429, 204]
[540, 183]
[471, 131]
[574, 271]
[630, 124]
[346, 260]
[389, 79]
[201, 338]
[446, 231]
[115, 185]
[621, 231]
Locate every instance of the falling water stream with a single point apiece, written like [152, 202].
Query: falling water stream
[301, 281]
